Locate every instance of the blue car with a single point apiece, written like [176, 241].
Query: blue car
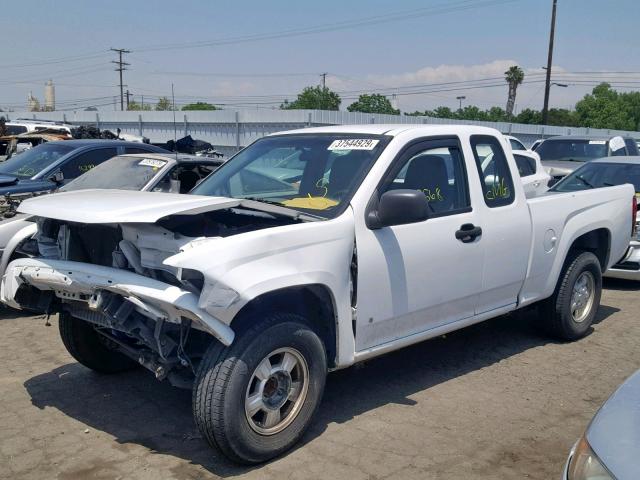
[50, 165]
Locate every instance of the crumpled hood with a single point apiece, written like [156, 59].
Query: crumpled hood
[120, 206]
[124, 206]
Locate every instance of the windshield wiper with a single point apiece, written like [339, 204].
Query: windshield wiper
[262, 200]
[585, 181]
[293, 212]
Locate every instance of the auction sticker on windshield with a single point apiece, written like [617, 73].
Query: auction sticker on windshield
[150, 162]
[353, 144]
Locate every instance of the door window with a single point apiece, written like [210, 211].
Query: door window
[439, 174]
[84, 162]
[526, 166]
[495, 176]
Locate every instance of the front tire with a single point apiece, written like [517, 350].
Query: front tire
[255, 399]
[89, 348]
[570, 311]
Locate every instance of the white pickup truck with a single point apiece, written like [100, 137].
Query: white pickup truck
[250, 290]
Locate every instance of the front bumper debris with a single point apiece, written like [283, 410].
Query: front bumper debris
[83, 282]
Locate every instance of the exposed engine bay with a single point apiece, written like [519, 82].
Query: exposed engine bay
[114, 277]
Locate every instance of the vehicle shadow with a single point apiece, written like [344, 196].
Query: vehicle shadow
[620, 285]
[136, 409]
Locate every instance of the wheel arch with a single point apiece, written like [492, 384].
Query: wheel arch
[315, 302]
[597, 241]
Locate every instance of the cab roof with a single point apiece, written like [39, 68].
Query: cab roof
[394, 129]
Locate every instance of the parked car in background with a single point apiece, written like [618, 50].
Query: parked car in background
[607, 172]
[515, 143]
[536, 144]
[561, 155]
[535, 178]
[249, 291]
[140, 172]
[50, 165]
[610, 446]
[30, 125]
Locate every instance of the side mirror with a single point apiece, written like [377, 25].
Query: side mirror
[57, 178]
[398, 207]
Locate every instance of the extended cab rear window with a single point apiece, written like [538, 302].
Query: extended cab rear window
[495, 176]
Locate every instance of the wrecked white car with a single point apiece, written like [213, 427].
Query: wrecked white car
[252, 288]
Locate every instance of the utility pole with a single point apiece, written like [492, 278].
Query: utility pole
[128, 98]
[460, 98]
[547, 85]
[121, 67]
[324, 85]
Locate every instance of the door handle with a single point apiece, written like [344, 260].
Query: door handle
[468, 233]
[536, 184]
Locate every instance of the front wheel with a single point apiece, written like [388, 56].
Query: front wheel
[255, 399]
[570, 311]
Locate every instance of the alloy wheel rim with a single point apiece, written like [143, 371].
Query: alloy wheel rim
[582, 297]
[276, 391]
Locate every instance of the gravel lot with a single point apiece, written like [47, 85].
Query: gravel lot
[496, 400]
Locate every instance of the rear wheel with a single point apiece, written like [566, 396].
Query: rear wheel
[91, 349]
[569, 313]
[255, 399]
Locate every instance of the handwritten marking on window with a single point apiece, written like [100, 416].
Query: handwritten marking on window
[499, 190]
[433, 197]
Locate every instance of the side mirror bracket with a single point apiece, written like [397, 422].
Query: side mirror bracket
[57, 178]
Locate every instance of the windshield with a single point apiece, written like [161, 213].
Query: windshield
[600, 174]
[33, 161]
[311, 173]
[572, 150]
[123, 173]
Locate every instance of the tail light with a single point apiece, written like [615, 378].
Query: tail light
[634, 211]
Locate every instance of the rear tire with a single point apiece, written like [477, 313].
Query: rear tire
[255, 399]
[570, 311]
[89, 348]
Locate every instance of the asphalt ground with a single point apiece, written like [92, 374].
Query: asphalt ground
[495, 400]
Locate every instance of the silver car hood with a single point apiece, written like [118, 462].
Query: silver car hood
[614, 433]
[557, 168]
[123, 206]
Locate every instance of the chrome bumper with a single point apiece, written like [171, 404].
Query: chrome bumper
[629, 267]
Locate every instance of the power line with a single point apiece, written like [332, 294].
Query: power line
[367, 21]
[121, 67]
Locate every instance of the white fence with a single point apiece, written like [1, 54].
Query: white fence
[229, 130]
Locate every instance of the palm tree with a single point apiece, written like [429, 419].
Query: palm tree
[514, 77]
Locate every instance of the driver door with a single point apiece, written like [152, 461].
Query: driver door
[419, 276]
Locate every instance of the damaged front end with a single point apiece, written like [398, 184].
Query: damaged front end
[114, 276]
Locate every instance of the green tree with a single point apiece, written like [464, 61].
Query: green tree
[374, 103]
[471, 112]
[314, 98]
[514, 77]
[497, 114]
[604, 108]
[138, 106]
[200, 106]
[164, 104]
[441, 112]
[562, 117]
[530, 116]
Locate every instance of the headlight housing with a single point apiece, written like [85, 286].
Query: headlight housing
[585, 464]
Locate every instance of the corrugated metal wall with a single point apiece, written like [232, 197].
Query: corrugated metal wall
[230, 130]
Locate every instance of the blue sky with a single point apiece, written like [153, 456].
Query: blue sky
[462, 45]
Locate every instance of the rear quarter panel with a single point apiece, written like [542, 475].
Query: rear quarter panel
[565, 217]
